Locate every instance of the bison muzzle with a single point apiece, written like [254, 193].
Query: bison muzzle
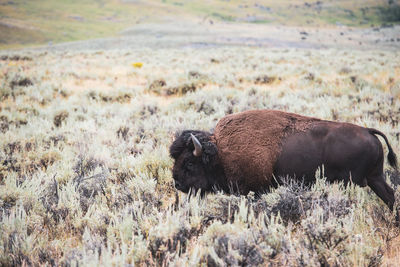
[252, 150]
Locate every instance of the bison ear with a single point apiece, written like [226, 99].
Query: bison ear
[210, 154]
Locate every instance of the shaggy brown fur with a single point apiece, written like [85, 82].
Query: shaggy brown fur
[250, 142]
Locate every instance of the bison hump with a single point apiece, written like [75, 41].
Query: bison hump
[249, 144]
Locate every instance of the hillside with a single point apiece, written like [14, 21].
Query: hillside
[31, 23]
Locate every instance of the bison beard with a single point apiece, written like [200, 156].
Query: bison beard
[250, 151]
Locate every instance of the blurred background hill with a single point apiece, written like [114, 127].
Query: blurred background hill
[27, 23]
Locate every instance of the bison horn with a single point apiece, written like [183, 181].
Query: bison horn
[197, 146]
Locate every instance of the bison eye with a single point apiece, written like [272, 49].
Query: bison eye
[190, 166]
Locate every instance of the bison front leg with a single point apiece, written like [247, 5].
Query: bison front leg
[383, 190]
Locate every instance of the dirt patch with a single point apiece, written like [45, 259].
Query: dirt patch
[98, 74]
[21, 82]
[264, 79]
[16, 58]
[159, 87]
[195, 34]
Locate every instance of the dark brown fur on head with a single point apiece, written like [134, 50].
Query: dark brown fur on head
[195, 172]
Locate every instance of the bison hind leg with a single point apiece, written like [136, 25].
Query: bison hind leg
[382, 189]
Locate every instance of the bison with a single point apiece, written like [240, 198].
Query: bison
[252, 150]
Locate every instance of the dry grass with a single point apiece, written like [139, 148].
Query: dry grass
[85, 171]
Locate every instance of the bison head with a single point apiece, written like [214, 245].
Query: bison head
[196, 162]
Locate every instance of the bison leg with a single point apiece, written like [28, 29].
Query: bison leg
[383, 190]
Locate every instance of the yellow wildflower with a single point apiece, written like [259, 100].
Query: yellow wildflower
[137, 65]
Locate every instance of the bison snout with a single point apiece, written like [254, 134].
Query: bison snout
[181, 187]
[178, 185]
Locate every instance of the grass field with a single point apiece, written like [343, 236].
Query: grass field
[85, 127]
[85, 171]
[30, 23]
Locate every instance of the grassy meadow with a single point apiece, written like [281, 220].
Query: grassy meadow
[85, 128]
[86, 176]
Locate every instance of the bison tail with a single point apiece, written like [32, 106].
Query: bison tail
[392, 158]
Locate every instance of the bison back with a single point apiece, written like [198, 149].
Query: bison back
[250, 142]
